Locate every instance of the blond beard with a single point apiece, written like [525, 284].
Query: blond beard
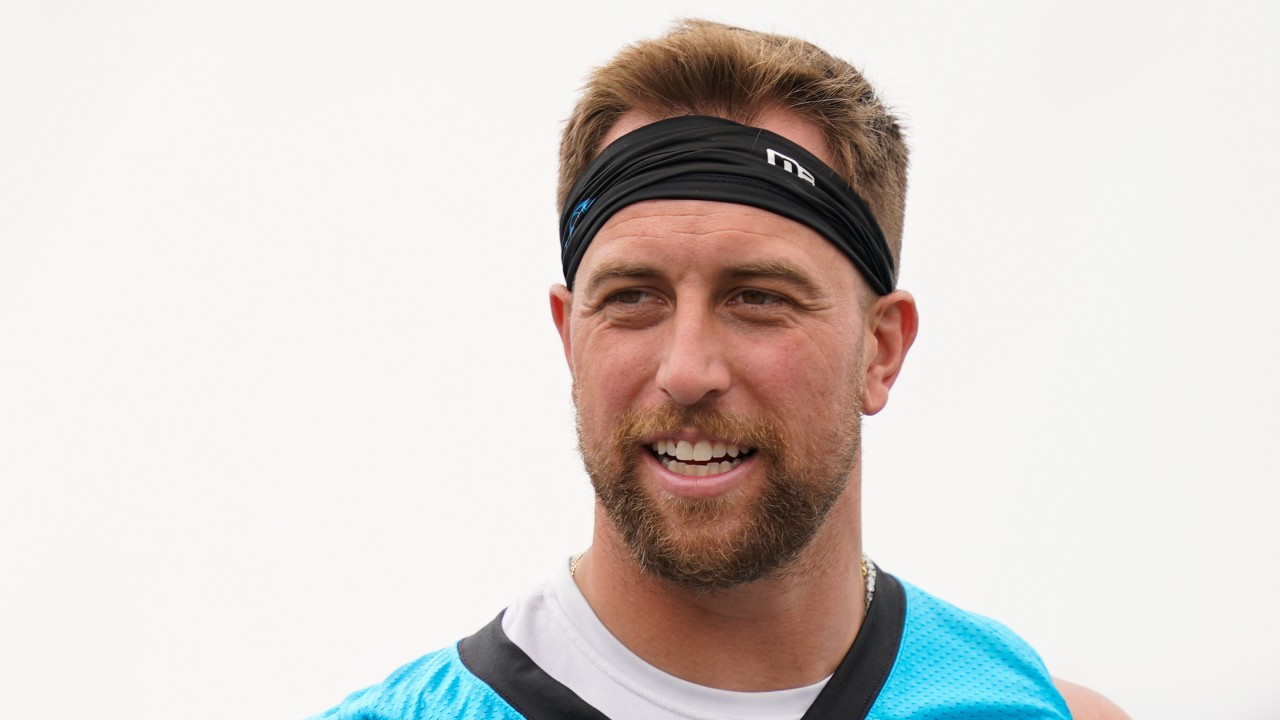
[720, 542]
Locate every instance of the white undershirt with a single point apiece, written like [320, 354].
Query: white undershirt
[556, 627]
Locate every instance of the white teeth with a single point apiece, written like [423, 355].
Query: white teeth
[695, 470]
[700, 452]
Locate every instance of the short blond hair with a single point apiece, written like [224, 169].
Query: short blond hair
[706, 68]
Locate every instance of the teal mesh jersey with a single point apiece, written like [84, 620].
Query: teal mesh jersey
[914, 657]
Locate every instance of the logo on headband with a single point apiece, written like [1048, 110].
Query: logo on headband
[578, 212]
[789, 165]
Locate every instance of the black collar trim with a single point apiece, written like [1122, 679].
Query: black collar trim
[857, 681]
[491, 656]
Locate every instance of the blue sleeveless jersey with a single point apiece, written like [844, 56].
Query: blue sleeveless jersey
[915, 657]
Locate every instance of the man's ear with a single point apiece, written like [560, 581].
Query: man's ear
[891, 324]
[561, 304]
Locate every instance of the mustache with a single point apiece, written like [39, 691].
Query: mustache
[638, 427]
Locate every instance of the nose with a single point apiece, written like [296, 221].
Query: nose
[693, 366]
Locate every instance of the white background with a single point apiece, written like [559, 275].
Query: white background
[281, 406]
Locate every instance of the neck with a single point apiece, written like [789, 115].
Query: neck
[787, 630]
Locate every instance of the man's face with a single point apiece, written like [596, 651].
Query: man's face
[717, 360]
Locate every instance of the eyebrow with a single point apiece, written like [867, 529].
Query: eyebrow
[763, 269]
[613, 270]
[773, 270]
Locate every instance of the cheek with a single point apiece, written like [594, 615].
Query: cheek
[611, 369]
[802, 375]
[812, 395]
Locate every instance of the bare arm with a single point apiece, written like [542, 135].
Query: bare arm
[1085, 704]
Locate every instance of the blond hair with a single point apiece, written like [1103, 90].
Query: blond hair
[706, 68]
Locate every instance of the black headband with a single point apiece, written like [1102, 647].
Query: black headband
[707, 158]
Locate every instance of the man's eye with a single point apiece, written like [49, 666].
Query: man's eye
[629, 297]
[758, 297]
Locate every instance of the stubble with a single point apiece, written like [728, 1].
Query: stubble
[744, 535]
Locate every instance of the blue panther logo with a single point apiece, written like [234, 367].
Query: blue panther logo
[578, 212]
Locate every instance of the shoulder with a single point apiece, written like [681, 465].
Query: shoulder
[435, 685]
[1009, 658]
[1086, 704]
[949, 657]
[934, 625]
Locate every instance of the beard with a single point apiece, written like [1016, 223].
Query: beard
[720, 542]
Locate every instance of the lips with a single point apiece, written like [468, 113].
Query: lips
[699, 458]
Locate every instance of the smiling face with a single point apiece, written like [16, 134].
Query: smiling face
[717, 353]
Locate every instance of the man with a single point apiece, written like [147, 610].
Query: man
[732, 210]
